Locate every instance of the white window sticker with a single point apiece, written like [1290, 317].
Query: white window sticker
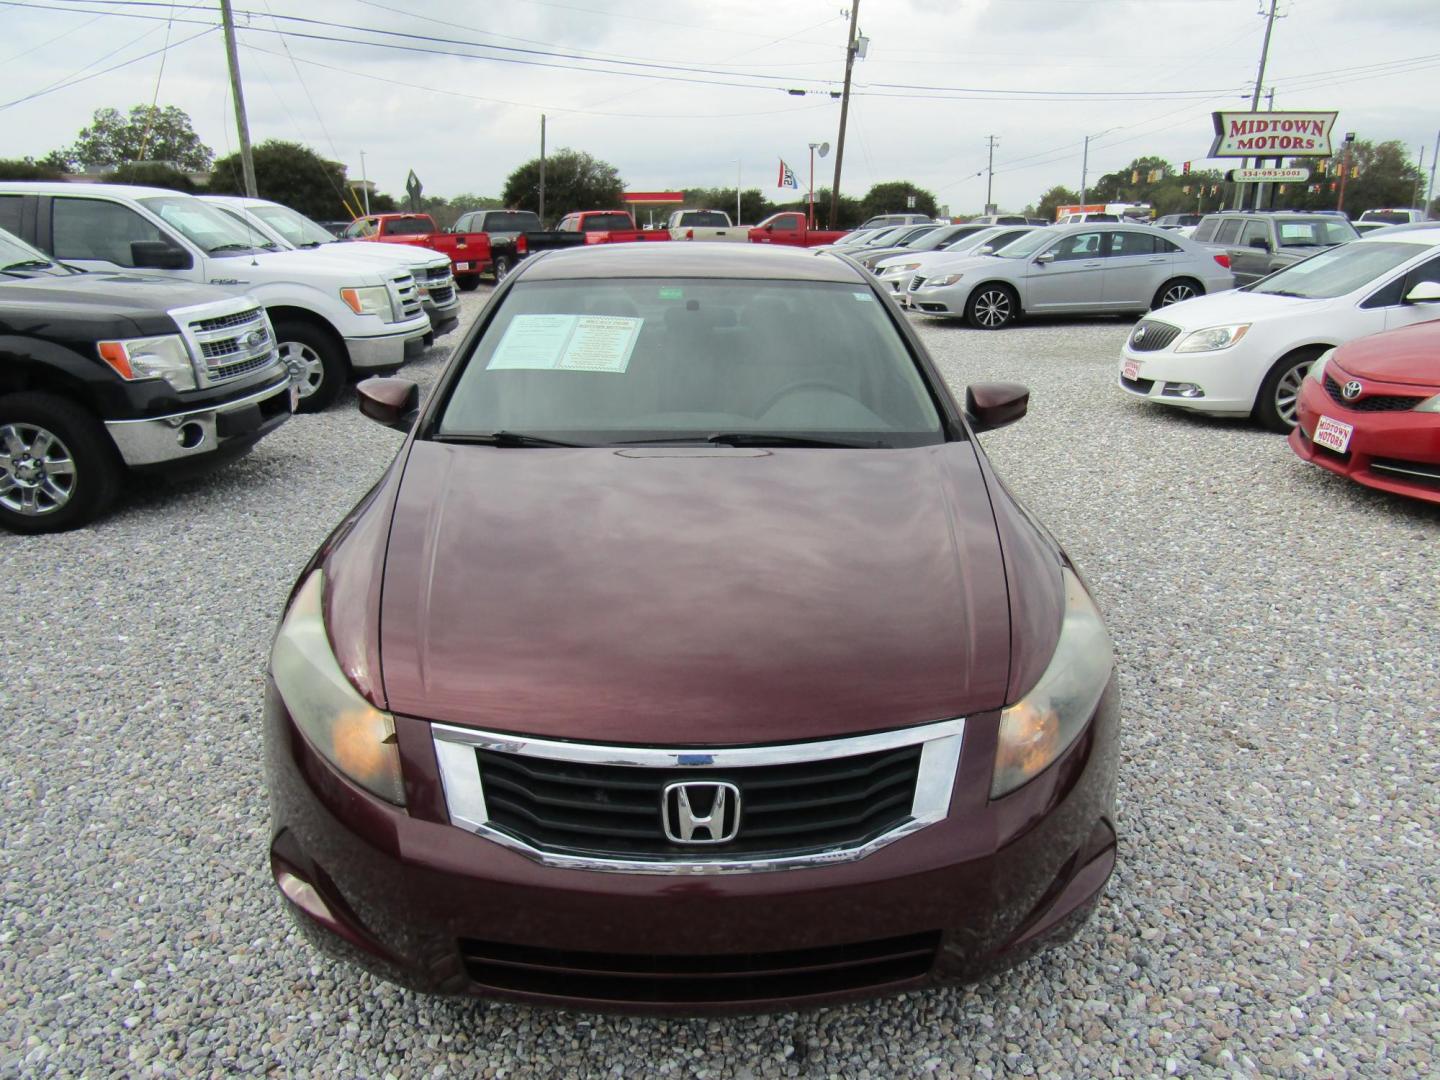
[567, 343]
[863, 296]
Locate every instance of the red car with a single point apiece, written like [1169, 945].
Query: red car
[1370, 410]
[690, 657]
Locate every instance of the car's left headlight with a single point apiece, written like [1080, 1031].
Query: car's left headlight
[942, 281]
[1039, 727]
[902, 268]
[1317, 369]
[349, 732]
[1212, 338]
[370, 300]
[1431, 404]
[151, 358]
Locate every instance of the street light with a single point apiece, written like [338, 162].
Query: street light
[824, 149]
[1085, 163]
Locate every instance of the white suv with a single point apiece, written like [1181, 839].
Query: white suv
[1245, 352]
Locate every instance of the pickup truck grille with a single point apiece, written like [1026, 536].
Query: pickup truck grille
[407, 297]
[232, 346]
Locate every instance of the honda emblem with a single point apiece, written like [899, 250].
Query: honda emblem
[708, 807]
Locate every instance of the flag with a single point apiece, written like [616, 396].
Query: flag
[787, 177]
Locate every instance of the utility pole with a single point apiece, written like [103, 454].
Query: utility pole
[737, 190]
[364, 183]
[1262, 190]
[247, 160]
[990, 179]
[1435, 157]
[1345, 170]
[844, 112]
[1420, 178]
[1084, 172]
[542, 170]
[1255, 98]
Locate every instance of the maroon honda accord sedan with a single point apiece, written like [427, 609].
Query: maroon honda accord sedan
[690, 657]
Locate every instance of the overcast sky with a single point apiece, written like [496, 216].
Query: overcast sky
[1146, 73]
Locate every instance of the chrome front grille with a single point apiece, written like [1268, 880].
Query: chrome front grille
[437, 273]
[917, 281]
[407, 297]
[607, 807]
[1150, 335]
[232, 346]
[442, 294]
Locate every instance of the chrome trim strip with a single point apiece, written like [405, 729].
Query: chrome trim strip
[465, 794]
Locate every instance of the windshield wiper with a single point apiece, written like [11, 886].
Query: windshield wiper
[228, 247]
[1284, 292]
[28, 264]
[504, 438]
[757, 438]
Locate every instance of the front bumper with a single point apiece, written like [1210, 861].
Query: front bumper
[388, 351]
[199, 433]
[434, 907]
[1398, 452]
[1225, 385]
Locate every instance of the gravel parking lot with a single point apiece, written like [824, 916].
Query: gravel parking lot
[1275, 907]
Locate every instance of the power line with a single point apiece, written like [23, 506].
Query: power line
[53, 88]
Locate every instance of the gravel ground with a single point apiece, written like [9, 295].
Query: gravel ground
[1275, 907]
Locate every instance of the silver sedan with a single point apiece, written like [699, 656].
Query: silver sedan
[1078, 269]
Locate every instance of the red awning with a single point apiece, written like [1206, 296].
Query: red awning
[653, 198]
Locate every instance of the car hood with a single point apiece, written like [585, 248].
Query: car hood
[1234, 306]
[1409, 355]
[121, 294]
[396, 255]
[693, 596]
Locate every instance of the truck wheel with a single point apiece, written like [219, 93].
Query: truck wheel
[58, 467]
[1275, 407]
[317, 363]
[501, 268]
[468, 282]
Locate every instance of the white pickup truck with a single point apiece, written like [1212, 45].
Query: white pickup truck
[706, 225]
[333, 318]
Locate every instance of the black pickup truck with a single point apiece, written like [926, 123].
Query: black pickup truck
[513, 234]
[101, 373]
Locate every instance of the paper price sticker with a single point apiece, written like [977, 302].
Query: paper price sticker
[567, 343]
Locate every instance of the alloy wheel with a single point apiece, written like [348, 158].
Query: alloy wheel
[1176, 293]
[1287, 392]
[307, 371]
[992, 308]
[37, 471]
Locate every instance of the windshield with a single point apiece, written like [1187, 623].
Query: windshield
[1028, 244]
[632, 359]
[258, 237]
[1388, 217]
[1337, 271]
[885, 237]
[939, 237]
[294, 227]
[608, 223]
[211, 230]
[15, 254]
[1313, 232]
[852, 239]
[408, 226]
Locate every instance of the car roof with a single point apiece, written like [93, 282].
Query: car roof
[59, 187]
[1421, 234]
[681, 260]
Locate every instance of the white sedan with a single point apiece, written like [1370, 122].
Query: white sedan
[895, 271]
[1245, 352]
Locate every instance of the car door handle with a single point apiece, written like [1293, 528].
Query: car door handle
[1091, 266]
[1159, 259]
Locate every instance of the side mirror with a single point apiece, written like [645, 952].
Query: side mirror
[985, 249]
[1424, 292]
[769, 228]
[1045, 257]
[1260, 243]
[392, 402]
[158, 255]
[993, 405]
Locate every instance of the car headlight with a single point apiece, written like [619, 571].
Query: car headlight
[151, 358]
[942, 281]
[1039, 727]
[1317, 369]
[901, 268]
[371, 300]
[1213, 338]
[1430, 404]
[349, 732]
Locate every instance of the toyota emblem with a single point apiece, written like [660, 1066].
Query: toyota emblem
[1351, 390]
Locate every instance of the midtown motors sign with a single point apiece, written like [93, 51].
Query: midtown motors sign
[1250, 134]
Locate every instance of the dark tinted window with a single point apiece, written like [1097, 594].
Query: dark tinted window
[407, 227]
[506, 221]
[604, 361]
[608, 223]
[787, 224]
[1132, 243]
[95, 229]
[704, 219]
[1229, 231]
[1079, 246]
[10, 207]
[1167, 246]
[1255, 230]
[1205, 231]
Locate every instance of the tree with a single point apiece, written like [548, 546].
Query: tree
[1057, 196]
[29, 169]
[154, 174]
[149, 133]
[753, 204]
[289, 173]
[894, 198]
[573, 181]
[1380, 175]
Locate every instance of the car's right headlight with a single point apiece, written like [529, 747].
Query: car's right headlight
[370, 300]
[902, 268]
[1431, 404]
[1039, 727]
[942, 281]
[1317, 369]
[163, 357]
[349, 732]
[1212, 338]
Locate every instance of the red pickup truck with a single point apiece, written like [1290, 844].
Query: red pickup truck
[607, 227]
[469, 252]
[789, 228]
